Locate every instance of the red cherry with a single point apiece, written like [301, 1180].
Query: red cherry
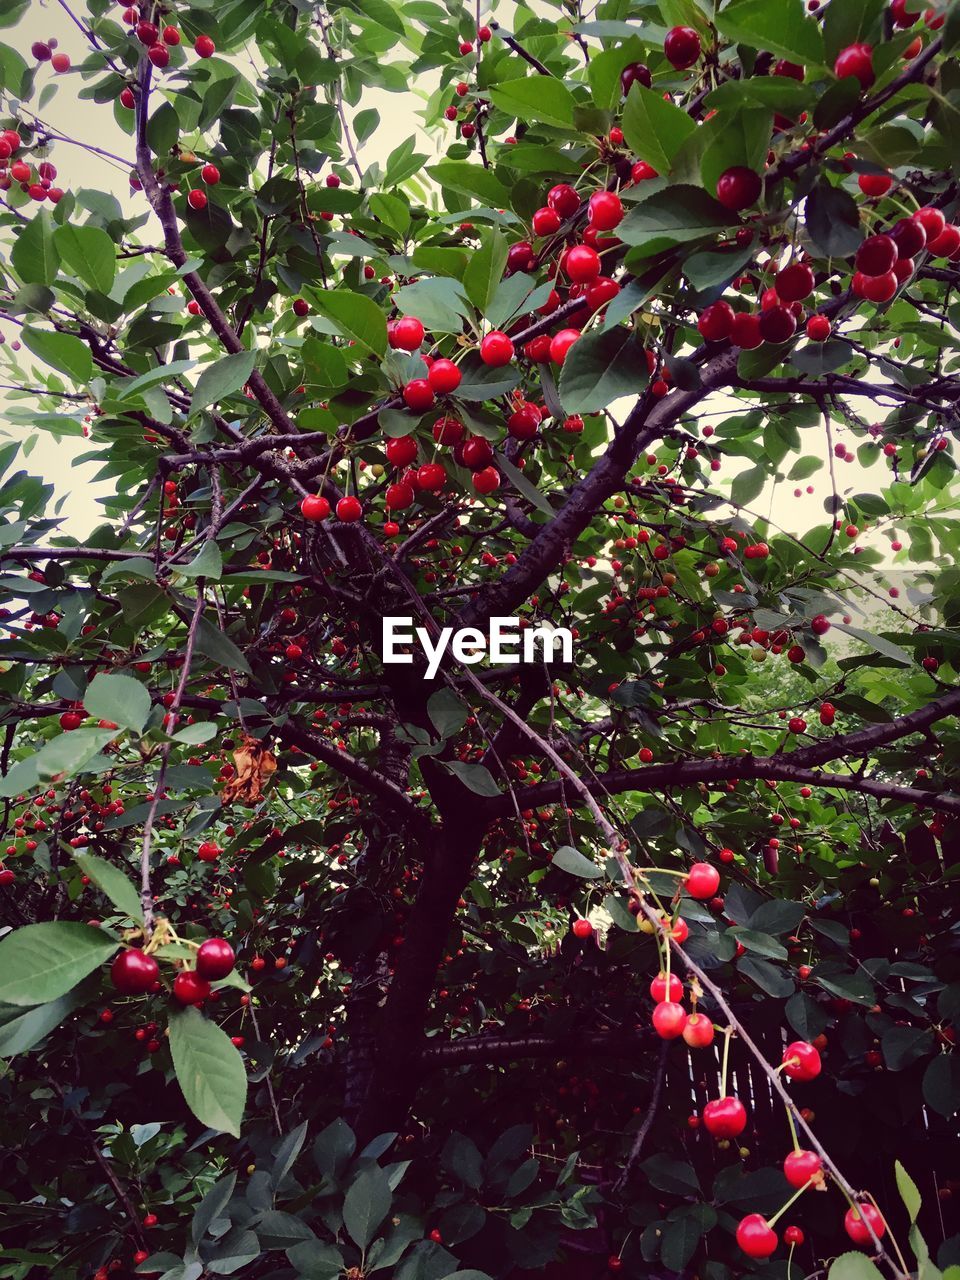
[204, 47]
[146, 33]
[418, 395]
[756, 1237]
[159, 55]
[476, 453]
[210, 174]
[738, 188]
[399, 496]
[190, 988]
[349, 509]
[698, 1032]
[669, 1019]
[171, 35]
[855, 1224]
[314, 507]
[716, 321]
[545, 222]
[801, 1061]
[800, 1166]
[127, 99]
[523, 422]
[605, 210]
[932, 220]
[406, 333]
[946, 244]
[197, 199]
[215, 959]
[875, 288]
[431, 477]
[795, 282]
[332, 180]
[875, 184]
[910, 237]
[60, 62]
[876, 255]
[681, 47]
[746, 331]
[702, 881]
[725, 1117]
[444, 376]
[582, 264]
[301, 307]
[856, 60]
[602, 291]
[496, 349]
[401, 450]
[563, 199]
[777, 324]
[133, 972]
[487, 480]
[484, 34]
[520, 256]
[641, 171]
[793, 1236]
[818, 328]
[71, 720]
[561, 343]
[582, 929]
[792, 70]
[662, 991]
[634, 72]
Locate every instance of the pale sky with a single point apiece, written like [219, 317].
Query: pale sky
[55, 460]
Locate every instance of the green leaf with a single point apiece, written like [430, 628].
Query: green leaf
[777, 916]
[485, 382]
[852, 22]
[438, 301]
[902, 1046]
[670, 217]
[211, 1207]
[749, 485]
[762, 944]
[221, 379]
[21, 1032]
[34, 256]
[833, 220]
[472, 180]
[848, 986]
[877, 643]
[674, 1176]
[485, 268]
[784, 28]
[655, 129]
[575, 864]
[941, 1084]
[853, 1266]
[382, 12]
[113, 882]
[61, 757]
[475, 777]
[315, 1260]
[119, 698]
[600, 368]
[356, 317]
[909, 1193]
[523, 486]
[805, 1016]
[163, 129]
[209, 1070]
[62, 351]
[42, 962]
[447, 713]
[707, 268]
[366, 1204]
[89, 253]
[207, 563]
[212, 642]
[536, 98]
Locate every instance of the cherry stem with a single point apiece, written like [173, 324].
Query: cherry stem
[727, 1036]
[793, 1200]
[793, 1130]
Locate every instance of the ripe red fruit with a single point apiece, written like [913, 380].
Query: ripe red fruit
[641, 171]
[189, 987]
[756, 1237]
[496, 349]
[41, 51]
[60, 62]
[545, 222]
[484, 34]
[792, 70]
[314, 507]
[746, 331]
[406, 333]
[401, 450]
[909, 236]
[661, 990]
[681, 47]
[418, 395]
[210, 174]
[932, 220]
[797, 724]
[800, 1166]
[669, 1019]
[716, 321]
[444, 376]
[946, 244]
[875, 288]
[856, 60]
[738, 188]
[605, 210]
[702, 881]
[698, 1032]
[197, 199]
[855, 1223]
[476, 453]
[204, 47]
[159, 55]
[146, 33]
[801, 1061]
[349, 509]
[208, 851]
[582, 929]
[523, 422]
[819, 624]
[602, 291]
[901, 15]
[634, 72]
[795, 282]
[215, 959]
[171, 35]
[875, 184]
[582, 264]
[563, 199]
[431, 477]
[71, 720]
[561, 343]
[486, 481]
[777, 324]
[301, 307]
[399, 496]
[876, 255]
[725, 1117]
[818, 328]
[793, 1235]
[127, 99]
[133, 972]
[520, 256]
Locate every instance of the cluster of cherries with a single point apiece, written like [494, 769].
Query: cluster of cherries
[37, 182]
[134, 972]
[158, 44]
